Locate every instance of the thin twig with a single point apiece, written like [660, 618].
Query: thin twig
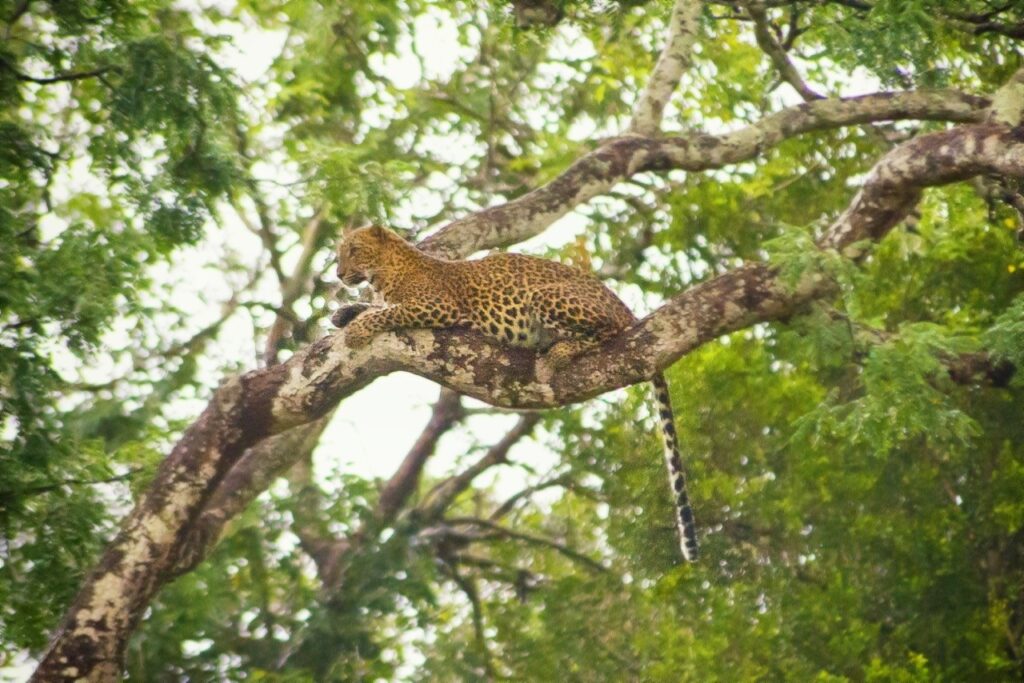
[444, 493]
[14, 494]
[564, 480]
[502, 531]
[295, 285]
[58, 78]
[468, 587]
[771, 46]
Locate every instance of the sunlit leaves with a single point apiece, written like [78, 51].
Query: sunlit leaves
[118, 140]
[1006, 336]
[355, 183]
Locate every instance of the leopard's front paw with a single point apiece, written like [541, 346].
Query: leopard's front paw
[346, 314]
[356, 335]
[559, 361]
[560, 357]
[562, 354]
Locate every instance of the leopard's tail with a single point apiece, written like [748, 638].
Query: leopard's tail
[676, 477]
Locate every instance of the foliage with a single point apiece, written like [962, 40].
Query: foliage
[862, 510]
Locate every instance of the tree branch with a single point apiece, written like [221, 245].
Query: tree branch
[976, 368]
[771, 47]
[495, 530]
[28, 491]
[142, 359]
[20, 9]
[447, 411]
[265, 231]
[1008, 102]
[444, 493]
[980, 23]
[468, 586]
[620, 158]
[330, 553]
[57, 78]
[674, 59]
[564, 480]
[253, 473]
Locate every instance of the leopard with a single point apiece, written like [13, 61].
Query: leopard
[513, 299]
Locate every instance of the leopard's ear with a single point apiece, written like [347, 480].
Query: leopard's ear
[349, 228]
[379, 232]
[407, 234]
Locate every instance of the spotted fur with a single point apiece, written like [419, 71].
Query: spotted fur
[685, 525]
[514, 299]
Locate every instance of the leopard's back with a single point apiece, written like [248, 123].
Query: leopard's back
[527, 301]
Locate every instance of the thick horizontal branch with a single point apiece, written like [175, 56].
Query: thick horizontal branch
[620, 158]
[515, 378]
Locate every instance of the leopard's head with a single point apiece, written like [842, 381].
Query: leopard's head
[362, 251]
